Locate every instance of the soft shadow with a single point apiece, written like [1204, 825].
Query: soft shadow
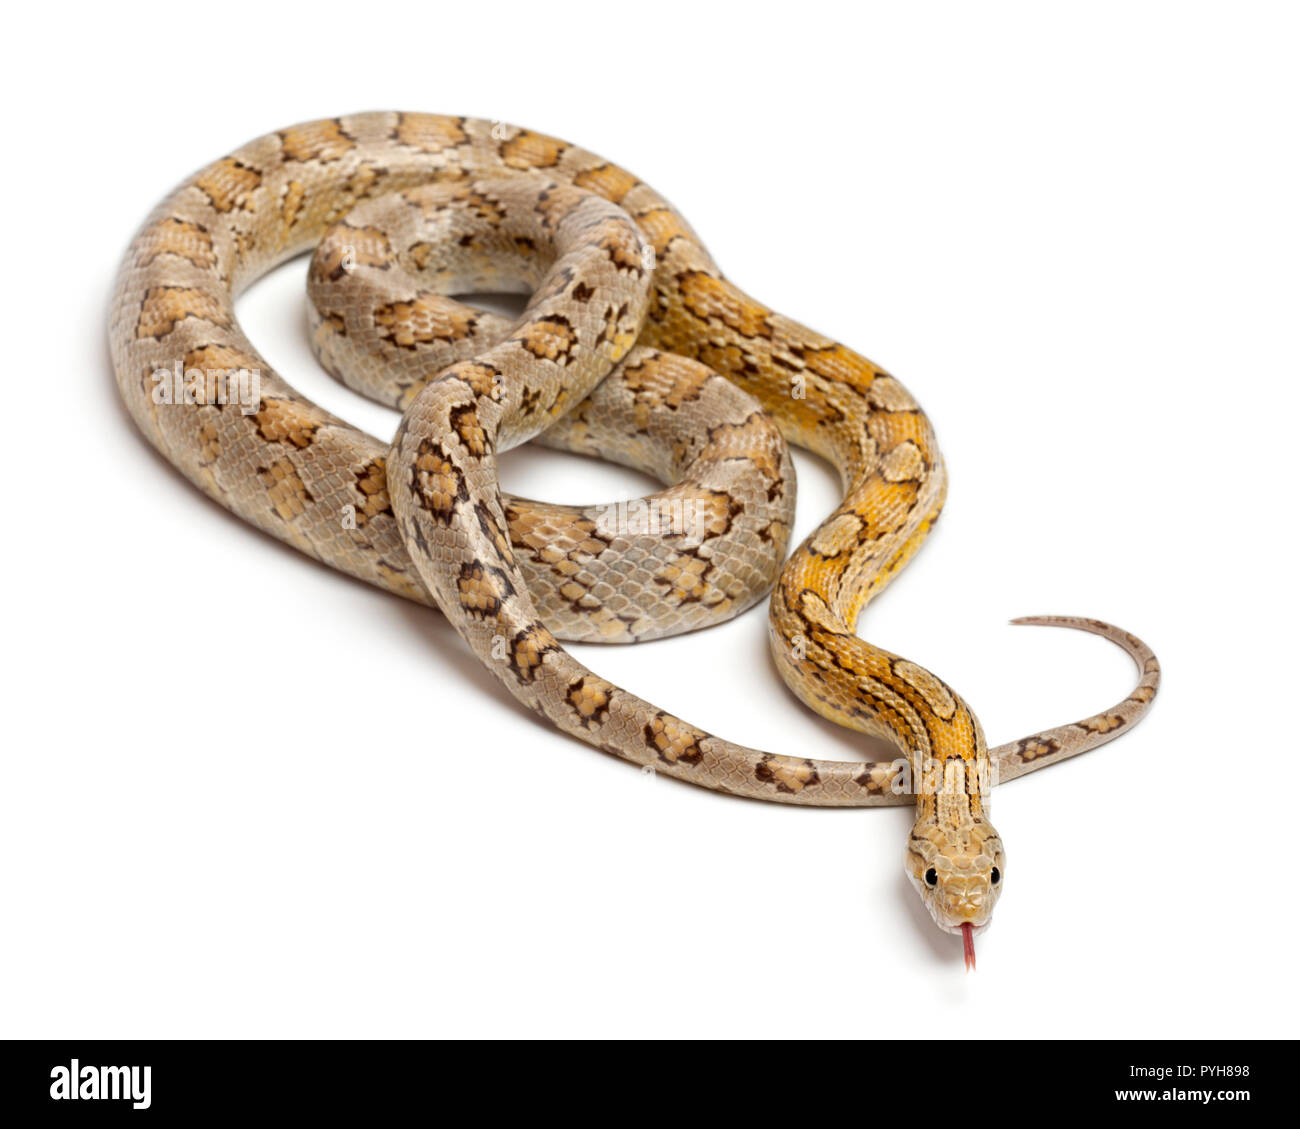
[942, 948]
[453, 653]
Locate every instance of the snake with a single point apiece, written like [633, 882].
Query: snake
[631, 347]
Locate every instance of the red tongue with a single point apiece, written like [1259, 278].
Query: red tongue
[968, 943]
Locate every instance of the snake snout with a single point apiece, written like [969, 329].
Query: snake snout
[967, 904]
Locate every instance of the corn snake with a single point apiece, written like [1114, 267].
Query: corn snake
[405, 210]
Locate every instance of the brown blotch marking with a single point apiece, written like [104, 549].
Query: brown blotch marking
[316, 141]
[589, 697]
[579, 596]
[437, 482]
[482, 589]
[666, 380]
[464, 197]
[729, 360]
[1032, 748]
[420, 254]
[245, 243]
[551, 338]
[212, 358]
[372, 482]
[904, 463]
[883, 507]
[528, 650]
[528, 150]
[753, 440]
[164, 306]
[614, 337]
[364, 246]
[774, 533]
[228, 184]
[288, 422]
[398, 580]
[708, 297]
[430, 133]
[886, 394]
[424, 319]
[877, 778]
[288, 493]
[661, 226]
[843, 366]
[816, 409]
[1106, 723]
[209, 444]
[482, 379]
[674, 741]
[464, 421]
[494, 532]
[328, 325]
[556, 203]
[608, 181]
[540, 529]
[716, 511]
[840, 534]
[186, 240]
[357, 187]
[292, 197]
[622, 249]
[791, 780]
[686, 577]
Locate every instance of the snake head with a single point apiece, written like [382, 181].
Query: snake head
[957, 870]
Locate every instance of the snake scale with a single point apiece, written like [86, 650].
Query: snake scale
[632, 347]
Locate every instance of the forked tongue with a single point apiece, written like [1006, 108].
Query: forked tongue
[968, 944]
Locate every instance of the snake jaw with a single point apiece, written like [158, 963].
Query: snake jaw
[958, 930]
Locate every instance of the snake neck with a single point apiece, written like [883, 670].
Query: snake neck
[837, 404]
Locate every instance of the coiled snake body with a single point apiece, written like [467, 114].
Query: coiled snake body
[407, 209]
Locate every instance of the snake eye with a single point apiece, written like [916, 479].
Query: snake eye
[996, 876]
[931, 878]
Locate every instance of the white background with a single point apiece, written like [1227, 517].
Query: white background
[242, 795]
